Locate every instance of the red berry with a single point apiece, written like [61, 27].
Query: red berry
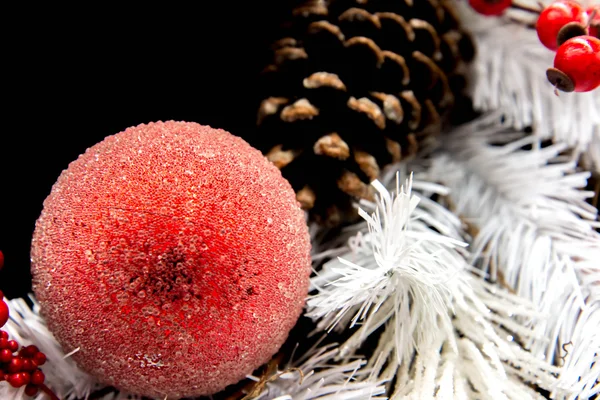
[38, 377]
[3, 343]
[1, 262]
[39, 358]
[15, 365]
[5, 356]
[26, 377]
[595, 22]
[31, 390]
[4, 312]
[556, 16]
[17, 380]
[29, 351]
[490, 7]
[13, 345]
[171, 225]
[29, 365]
[3, 335]
[579, 60]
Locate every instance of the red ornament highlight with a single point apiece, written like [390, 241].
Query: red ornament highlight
[174, 256]
[579, 60]
[490, 7]
[554, 17]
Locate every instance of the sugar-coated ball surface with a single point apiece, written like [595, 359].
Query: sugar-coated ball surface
[174, 256]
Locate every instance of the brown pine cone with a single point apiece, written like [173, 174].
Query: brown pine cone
[354, 86]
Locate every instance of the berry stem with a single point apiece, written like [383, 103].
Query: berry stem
[522, 7]
[591, 18]
[48, 391]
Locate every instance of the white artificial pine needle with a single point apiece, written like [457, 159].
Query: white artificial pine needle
[399, 272]
[533, 231]
[509, 74]
[317, 376]
[592, 155]
[444, 332]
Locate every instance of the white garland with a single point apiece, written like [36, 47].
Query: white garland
[317, 376]
[446, 333]
[536, 232]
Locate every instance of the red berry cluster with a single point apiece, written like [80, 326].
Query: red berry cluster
[570, 30]
[20, 367]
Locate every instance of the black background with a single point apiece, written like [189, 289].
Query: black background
[76, 75]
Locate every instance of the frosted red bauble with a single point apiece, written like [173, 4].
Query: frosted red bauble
[174, 256]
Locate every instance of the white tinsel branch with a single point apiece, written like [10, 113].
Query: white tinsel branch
[446, 336]
[509, 74]
[487, 364]
[316, 376]
[406, 279]
[534, 231]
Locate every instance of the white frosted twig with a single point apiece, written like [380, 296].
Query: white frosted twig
[317, 376]
[399, 271]
[535, 231]
[444, 331]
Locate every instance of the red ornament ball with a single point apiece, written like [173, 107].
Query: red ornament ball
[579, 59]
[174, 256]
[554, 17]
[490, 7]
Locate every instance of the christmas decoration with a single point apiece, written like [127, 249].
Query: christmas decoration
[354, 86]
[178, 235]
[472, 272]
